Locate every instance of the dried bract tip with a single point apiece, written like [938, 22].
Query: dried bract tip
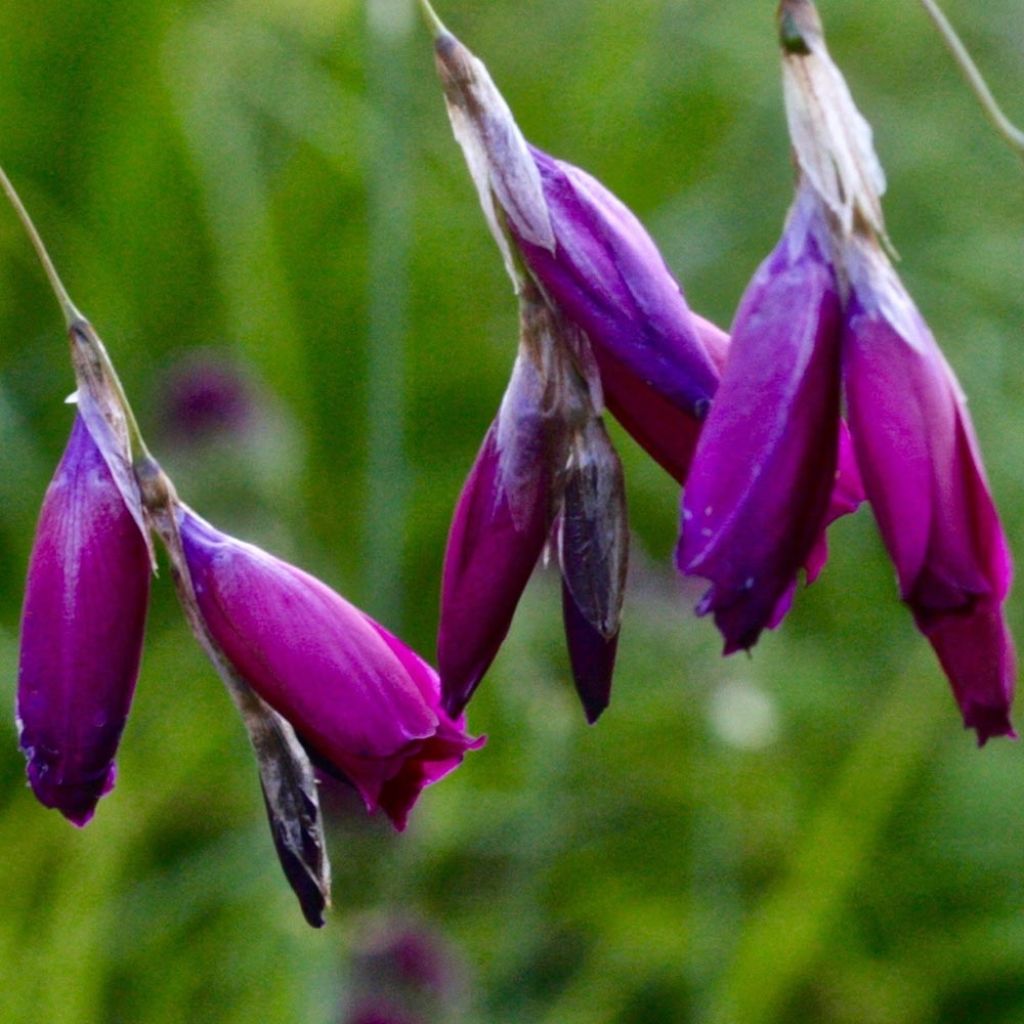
[831, 140]
[593, 535]
[495, 150]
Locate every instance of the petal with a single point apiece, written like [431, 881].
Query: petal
[609, 277]
[496, 538]
[924, 478]
[761, 482]
[81, 632]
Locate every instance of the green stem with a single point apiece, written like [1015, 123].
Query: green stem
[68, 308]
[77, 324]
[434, 23]
[1013, 135]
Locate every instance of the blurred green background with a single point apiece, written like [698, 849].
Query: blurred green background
[271, 186]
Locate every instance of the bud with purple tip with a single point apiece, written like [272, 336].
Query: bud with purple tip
[364, 705]
[81, 631]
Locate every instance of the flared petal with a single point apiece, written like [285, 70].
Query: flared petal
[761, 483]
[361, 704]
[81, 631]
[924, 478]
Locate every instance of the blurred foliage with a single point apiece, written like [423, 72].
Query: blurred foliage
[804, 835]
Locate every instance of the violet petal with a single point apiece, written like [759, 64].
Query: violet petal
[609, 277]
[761, 481]
[591, 655]
[924, 478]
[495, 540]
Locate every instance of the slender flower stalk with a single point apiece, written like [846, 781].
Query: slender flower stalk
[1011, 134]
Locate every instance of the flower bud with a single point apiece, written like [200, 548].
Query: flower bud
[81, 631]
[364, 705]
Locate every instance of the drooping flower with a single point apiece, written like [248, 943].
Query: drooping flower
[758, 492]
[364, 705]
[546, 464]
[499, 529]
[925, 481]
[655, 363]
[81, 631]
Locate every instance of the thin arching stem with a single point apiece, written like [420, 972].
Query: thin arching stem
[76, 322]
[70, 311]
[434, 23]
[1013, 135]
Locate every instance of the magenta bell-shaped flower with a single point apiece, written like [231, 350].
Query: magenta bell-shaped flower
[81, 632]
[364, 705]
[924, 478]
[759, 490]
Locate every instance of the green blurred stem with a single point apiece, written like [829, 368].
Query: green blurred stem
[75, 321]
[434, 23]
[1013, 135]
[389, 187]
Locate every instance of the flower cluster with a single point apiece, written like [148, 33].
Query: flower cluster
[575, 250]
[826, 314]
[752, 425]
[313, 677]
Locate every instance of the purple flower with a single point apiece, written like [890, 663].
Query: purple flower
[924, 479]
[81, 631]
[364, 705]
[657, 366]
[545, 460]
[760, 486]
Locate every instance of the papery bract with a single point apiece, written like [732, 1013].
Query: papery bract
[759, 489]
[81, 631]
[924, 478]
[364, 704]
